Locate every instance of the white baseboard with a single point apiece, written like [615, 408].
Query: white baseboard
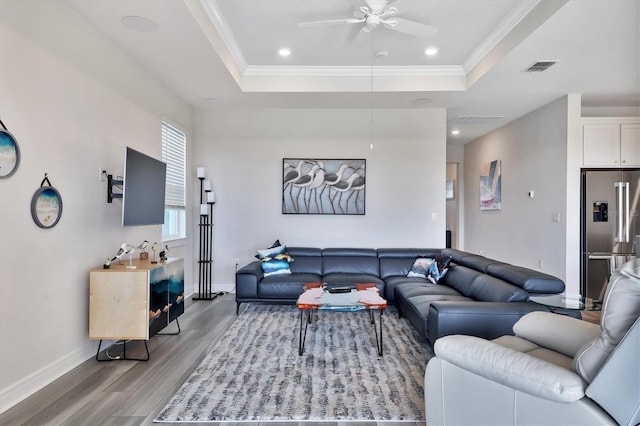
[227, 288]
[26, 387]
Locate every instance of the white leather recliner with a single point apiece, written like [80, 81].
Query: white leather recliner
[556, 370]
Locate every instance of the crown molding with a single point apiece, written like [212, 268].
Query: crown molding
[223, 29]
[501, 31]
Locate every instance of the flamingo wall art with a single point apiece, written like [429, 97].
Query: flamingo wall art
[323, 186]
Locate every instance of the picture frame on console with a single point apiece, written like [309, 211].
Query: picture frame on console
[323, 186]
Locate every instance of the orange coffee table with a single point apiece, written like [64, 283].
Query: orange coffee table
[358, 297]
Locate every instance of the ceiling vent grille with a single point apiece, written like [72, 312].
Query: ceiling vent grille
[466, 119]
[540, 66]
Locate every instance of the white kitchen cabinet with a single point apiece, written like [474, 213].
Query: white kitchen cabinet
[611, 142]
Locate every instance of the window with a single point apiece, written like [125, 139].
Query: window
[174, 153]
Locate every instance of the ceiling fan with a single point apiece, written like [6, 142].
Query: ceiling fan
[378, 12]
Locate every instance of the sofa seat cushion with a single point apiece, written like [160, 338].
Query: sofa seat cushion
[392, 281]
[405, 290]
[285, 286]
[416, 309]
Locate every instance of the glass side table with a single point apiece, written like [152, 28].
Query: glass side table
[569, 302]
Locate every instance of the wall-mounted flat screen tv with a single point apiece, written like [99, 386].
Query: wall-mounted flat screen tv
[144, 189]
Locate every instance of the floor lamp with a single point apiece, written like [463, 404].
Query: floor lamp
[205, 226]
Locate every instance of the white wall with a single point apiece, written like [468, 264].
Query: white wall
[455, 154]
[73, 101]
[534, 154]
[243, 149]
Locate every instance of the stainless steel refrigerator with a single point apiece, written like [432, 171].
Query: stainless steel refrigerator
[610, 204]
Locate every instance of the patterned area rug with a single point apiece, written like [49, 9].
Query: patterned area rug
[255, 373]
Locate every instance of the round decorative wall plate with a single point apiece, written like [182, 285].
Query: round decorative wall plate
[9, 154]
[46, 205]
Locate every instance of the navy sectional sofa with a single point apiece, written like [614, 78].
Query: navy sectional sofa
[478, 296]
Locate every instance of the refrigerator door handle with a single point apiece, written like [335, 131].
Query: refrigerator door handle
[618, 216]
[621, 225]
[626, 213]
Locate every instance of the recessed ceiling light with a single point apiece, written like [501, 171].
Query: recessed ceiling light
[284, 52]
[139, 23]
[381, 53]
[210, 99]
[455, 132]
[430, 51]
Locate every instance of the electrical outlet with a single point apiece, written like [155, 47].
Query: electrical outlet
[102, 174]
[540, 264]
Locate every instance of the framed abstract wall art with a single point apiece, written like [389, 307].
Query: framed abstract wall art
[323, 186]
[491, 186]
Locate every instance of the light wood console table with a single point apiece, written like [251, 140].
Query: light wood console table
[134, 304]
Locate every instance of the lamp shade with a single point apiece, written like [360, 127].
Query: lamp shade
[211, 197]
[200, 172]
[207, 185]
[203, 210]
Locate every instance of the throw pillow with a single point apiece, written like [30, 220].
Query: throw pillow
[271, 252]
[275, 244]
[420, 267]
[275, 260]
[438, 269]
[275, 267]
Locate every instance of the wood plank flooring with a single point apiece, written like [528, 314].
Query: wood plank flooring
[133, 392]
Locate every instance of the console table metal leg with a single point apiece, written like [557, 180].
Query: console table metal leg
[124, 353]
[171, 334]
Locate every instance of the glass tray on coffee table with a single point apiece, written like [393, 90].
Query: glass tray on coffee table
[565, 301]
[359, 297]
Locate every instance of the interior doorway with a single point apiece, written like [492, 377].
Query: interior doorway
[452, 205]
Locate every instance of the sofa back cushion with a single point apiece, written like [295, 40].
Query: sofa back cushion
[350, 261]
[398, 262]
[470, 260]
[527, 279]
[483, 287]
[620, 309]
[305, 260]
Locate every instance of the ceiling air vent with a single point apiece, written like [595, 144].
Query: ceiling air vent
[540, 66]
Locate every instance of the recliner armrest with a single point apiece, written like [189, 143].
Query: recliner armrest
[511, 368]
[559, 333]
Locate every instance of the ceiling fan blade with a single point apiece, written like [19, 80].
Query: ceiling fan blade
[330, 22]
[356, 34]
[410, 27]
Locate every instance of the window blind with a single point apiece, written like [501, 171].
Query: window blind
[174, 153]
